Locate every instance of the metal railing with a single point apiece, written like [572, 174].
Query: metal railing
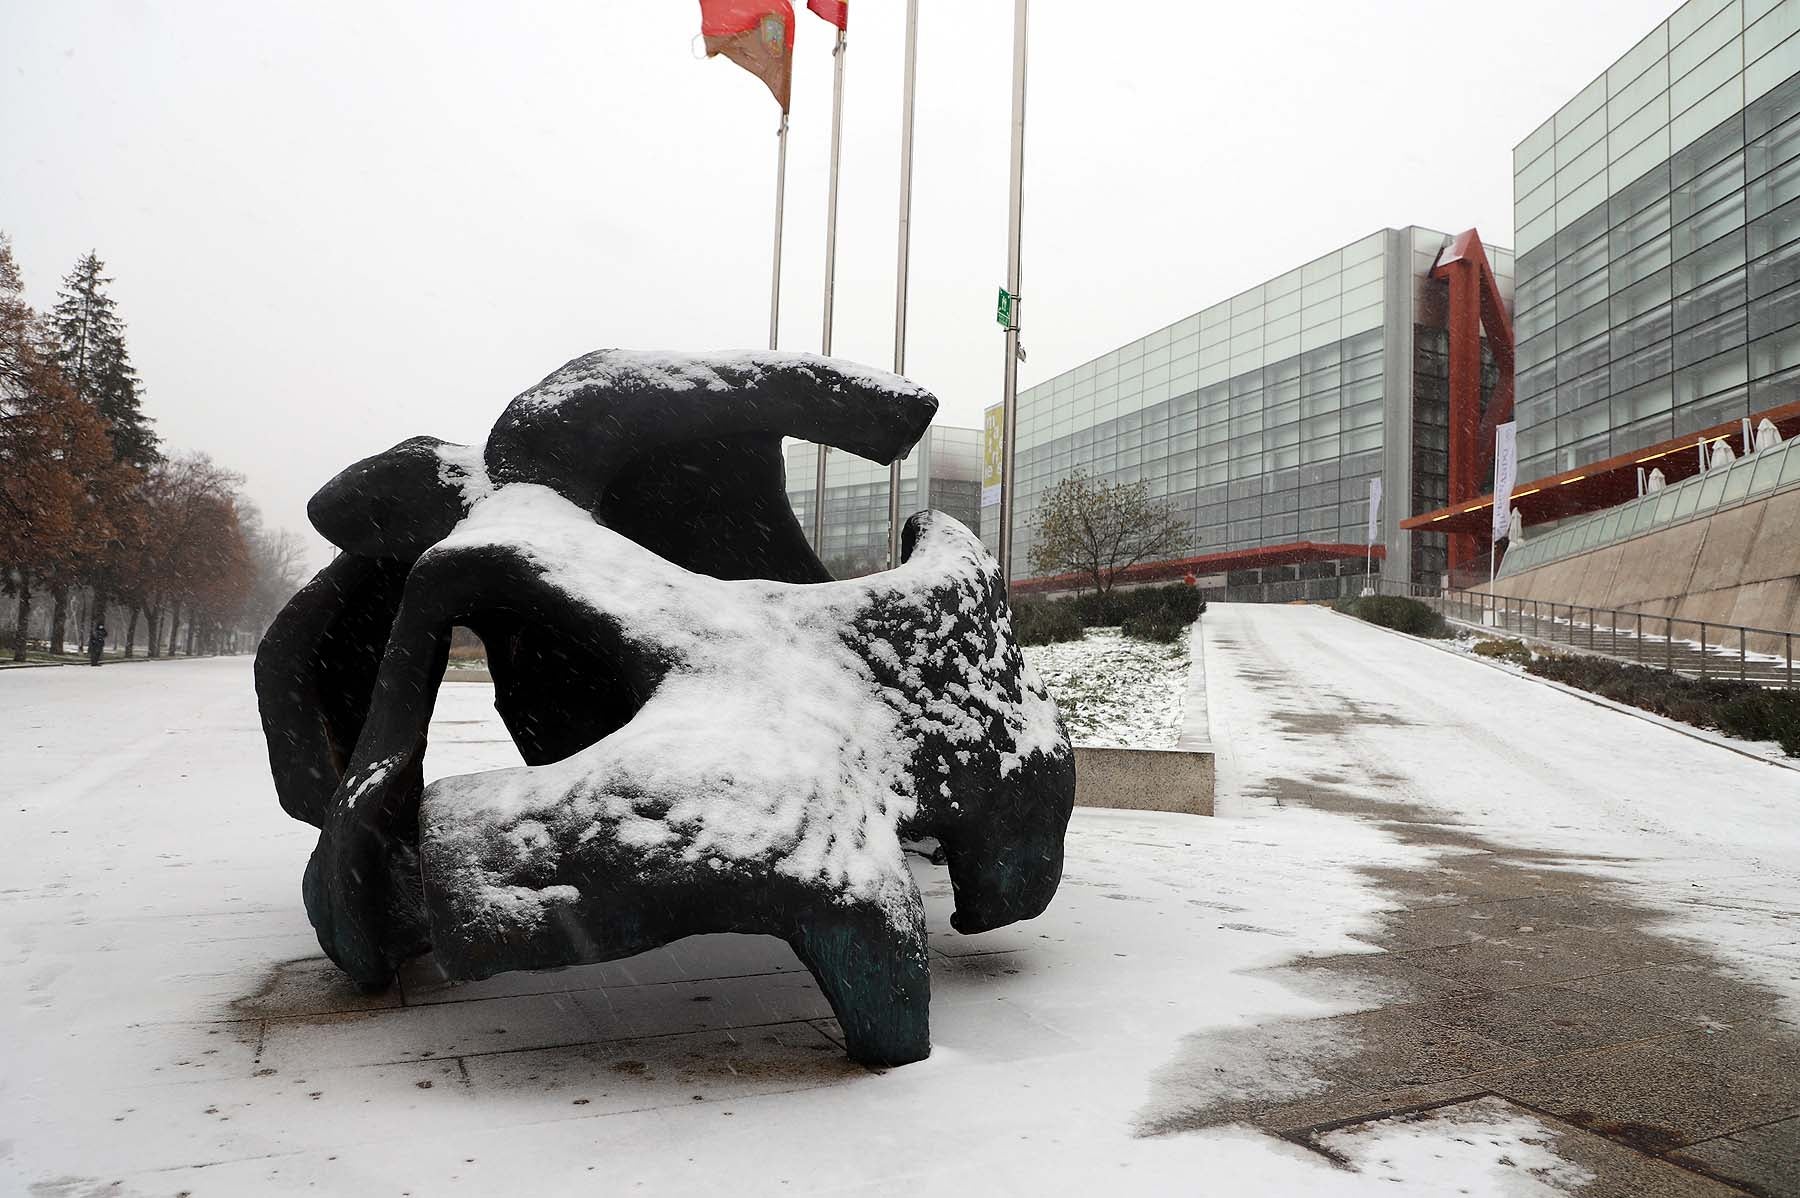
[1695, 648]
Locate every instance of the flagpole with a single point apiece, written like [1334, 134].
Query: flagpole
[831, 209]
[1010, 396]
[900, 269]
[780, 200]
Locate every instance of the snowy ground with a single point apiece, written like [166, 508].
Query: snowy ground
[1115, 691]
[1706, 834]
[170, 1027]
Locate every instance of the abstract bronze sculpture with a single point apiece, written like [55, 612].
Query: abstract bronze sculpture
[717, 737]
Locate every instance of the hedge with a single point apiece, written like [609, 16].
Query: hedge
[1148, 613]
[1735, 708]
[1403, 615]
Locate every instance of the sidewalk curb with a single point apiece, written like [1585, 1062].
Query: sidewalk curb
[1649, 717]
[1195, 733]
[113, 661]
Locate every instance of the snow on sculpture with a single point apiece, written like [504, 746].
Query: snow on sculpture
[717, 737]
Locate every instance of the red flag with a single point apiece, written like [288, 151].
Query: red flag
[758, 35]
[835, 11]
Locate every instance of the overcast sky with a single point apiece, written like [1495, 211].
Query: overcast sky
[337, 225]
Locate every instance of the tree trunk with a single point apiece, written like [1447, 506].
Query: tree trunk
[174, 626]
[24, 615]
[130, 628]
[153, 617]
[190, 636]
[59, 617]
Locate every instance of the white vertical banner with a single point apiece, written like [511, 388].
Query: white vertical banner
[1506, 466]
[1374, 510]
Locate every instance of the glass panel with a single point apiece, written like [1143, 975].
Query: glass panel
[1768, 469]
[1790, 469]
[1737, 482]
[1665, 506]
[1711, 490]
[1690, 499]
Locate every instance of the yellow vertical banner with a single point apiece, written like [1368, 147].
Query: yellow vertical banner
[993, 437]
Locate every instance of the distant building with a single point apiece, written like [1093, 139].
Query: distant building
[1262, 420]
[1658, 217]
[856, 494]
[1657, 316]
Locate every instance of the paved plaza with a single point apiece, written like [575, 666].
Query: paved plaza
[1450, 930]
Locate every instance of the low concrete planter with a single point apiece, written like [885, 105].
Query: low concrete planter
[1145, 779]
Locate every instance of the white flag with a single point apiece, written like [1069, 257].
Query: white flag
[1506, 465]
[1374, 508]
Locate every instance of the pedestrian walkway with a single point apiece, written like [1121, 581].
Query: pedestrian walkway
[1541, 978]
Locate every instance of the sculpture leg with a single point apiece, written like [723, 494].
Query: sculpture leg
[877, 979]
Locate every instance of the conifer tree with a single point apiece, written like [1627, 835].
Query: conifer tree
[90, 349]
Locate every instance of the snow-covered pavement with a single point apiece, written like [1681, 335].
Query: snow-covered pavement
[1706, 836]
[170, 1026]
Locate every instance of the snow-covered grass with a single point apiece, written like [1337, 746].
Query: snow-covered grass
[1115, 691]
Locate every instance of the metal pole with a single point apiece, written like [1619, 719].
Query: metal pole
[1015, 214]
[831, 208]
[900, 269]
[780, 201]
[1703, 649]
[1790, 660]
[1743, 651]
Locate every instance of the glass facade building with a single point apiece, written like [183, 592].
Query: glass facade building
[1262, 419]
[856, 494]
[1658, 240]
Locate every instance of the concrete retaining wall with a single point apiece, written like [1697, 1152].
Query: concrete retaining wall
[1741, 566]
[1145, 779]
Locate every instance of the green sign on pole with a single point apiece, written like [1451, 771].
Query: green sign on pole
[1004, 311]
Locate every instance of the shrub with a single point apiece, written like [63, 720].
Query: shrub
[1517, 652]
[1177, 601]
[1157, 626]
[1734, 708]
[1402, 615]
[1764, 715]
[1043, 623]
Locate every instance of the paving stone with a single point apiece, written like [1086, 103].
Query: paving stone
[1617, 1171]
[1364, 980]
[1766, 1158]
[660, 1071]
[1694, 991]
[1553, 955]
[1662, 1094]
[1438, 925]
[696, 957]
[1397, 1048]
[1345, 1104]
[1548, 1020]
[1467, 883]
[310, 986]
